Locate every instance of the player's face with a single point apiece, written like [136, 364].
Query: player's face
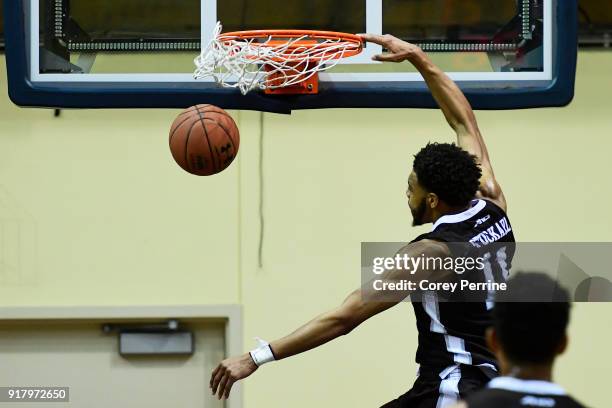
[416, 200]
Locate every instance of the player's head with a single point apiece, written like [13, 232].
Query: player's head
[443, 177]
[530, 321]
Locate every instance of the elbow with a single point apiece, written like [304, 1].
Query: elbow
[489, 188]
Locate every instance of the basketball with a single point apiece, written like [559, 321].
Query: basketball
[204, 140]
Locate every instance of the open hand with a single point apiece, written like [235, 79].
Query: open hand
[228, 372]
[399, 50]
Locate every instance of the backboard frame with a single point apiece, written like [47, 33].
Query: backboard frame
[27, 87]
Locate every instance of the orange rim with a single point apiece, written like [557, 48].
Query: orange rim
[279, 37]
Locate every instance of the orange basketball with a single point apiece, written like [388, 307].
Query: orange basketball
[204, 140]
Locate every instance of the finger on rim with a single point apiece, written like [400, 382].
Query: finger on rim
[374, 38]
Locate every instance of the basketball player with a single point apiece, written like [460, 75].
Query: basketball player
[454, 188]
[526, 338]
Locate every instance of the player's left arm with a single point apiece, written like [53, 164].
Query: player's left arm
[327, 326]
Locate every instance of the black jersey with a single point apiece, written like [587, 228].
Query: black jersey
[508, 392]
[452, 332]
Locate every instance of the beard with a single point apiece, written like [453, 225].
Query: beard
[418, 215]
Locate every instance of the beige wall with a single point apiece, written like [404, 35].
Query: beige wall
[93, 211]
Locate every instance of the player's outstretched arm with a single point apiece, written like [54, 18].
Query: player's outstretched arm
[325, 327]
[452, 102]
[320, 330]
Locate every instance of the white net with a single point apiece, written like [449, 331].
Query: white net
[271, 62]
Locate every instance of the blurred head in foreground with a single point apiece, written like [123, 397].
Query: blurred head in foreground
[530, 322]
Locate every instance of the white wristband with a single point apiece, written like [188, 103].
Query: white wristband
[262, 354]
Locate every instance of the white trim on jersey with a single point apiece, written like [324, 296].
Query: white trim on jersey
[430, 303]
[462, 216]
[454, 345]
[449, 389]
[526, 386]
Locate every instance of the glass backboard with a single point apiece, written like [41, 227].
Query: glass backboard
[95, 53]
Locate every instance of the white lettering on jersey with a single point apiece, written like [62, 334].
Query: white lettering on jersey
[494, 233]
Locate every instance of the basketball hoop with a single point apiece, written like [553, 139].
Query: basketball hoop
[277, 61]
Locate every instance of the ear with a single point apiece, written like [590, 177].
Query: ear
[492, 341]
[432, 200]
[563, 345]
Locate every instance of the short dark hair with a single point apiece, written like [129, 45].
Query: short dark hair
[448, 171]
[530, 317]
